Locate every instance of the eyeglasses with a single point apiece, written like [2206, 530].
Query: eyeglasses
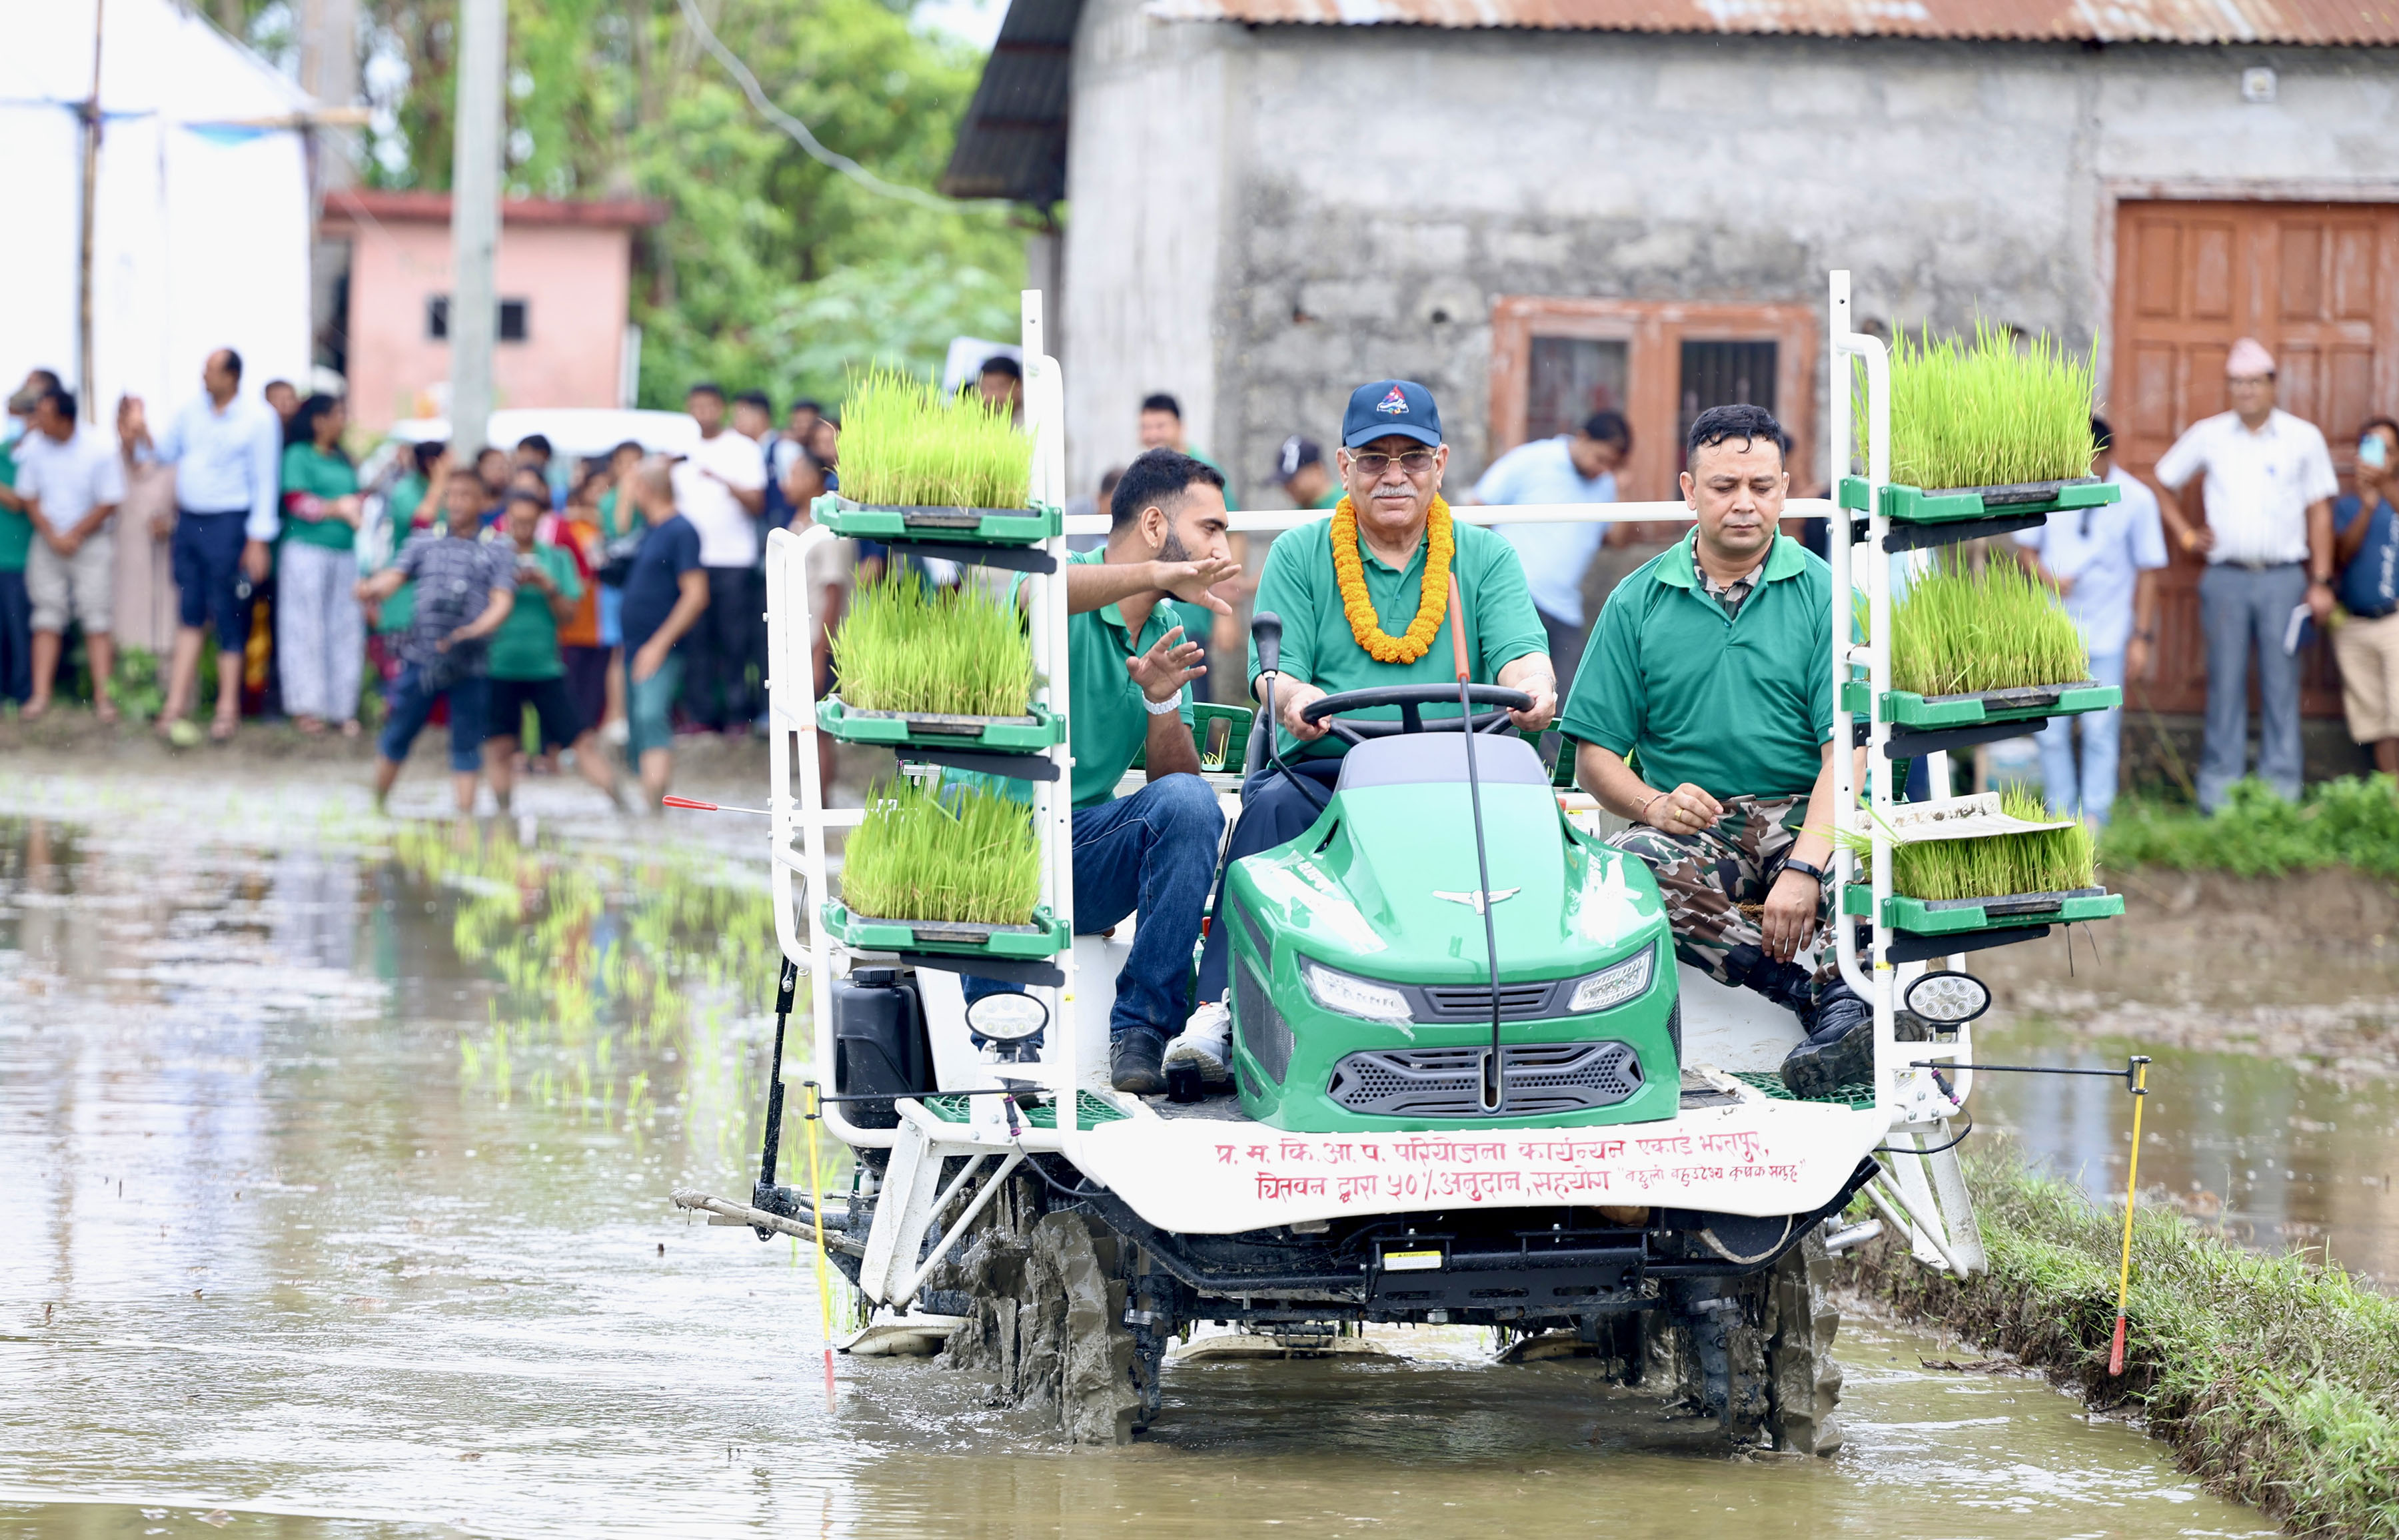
[1416, 462]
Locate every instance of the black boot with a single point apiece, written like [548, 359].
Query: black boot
[1839, 1050]
[1136, 1061]
[1787, 984]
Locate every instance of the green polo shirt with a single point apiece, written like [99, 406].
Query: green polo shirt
[1737, 707]
[320, 475]
[526, 644]
[15, 529]
[1298, 584]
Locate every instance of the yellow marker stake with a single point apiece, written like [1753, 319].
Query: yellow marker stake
[816, 1202]
[2132, 1187]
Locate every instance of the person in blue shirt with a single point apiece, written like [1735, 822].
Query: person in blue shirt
[2366, 544]
[1572, 467]
[228, 459]
[665, 595]
[2104, 563]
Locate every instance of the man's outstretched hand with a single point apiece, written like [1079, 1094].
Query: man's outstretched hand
[1169, 664]
[1190, 581]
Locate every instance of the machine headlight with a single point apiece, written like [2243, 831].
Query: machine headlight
[1350, 995]
[1611, 987]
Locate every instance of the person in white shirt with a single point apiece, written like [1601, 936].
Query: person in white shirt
[2252, 490]
[72, 484]
[2104, 563]
[1572, 467]
[720, 488]
[228, 457]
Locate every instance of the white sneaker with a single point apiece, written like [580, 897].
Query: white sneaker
[1206, 1040]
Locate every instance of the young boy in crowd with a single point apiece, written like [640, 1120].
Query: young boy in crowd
[526, 668]
[465, 588]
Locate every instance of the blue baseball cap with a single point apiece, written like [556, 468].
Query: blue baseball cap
[1387, 407]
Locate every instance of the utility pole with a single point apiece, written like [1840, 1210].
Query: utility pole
[84, 361]
[475, 222]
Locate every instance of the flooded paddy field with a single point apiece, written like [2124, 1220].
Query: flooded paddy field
[333, 1163]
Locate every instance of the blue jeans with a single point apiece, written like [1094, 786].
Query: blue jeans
[412, 702]
[1156, 852]
[2093, 791]
[2239, 607]
[16, 638]
[1273, 812]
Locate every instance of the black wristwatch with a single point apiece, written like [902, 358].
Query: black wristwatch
[1808, 869]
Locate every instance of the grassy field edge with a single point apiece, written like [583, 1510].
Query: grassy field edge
[2275, 1378]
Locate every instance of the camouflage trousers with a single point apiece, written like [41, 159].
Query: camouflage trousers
[1708, 876]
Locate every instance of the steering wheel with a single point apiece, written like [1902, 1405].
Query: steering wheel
[1411, 699]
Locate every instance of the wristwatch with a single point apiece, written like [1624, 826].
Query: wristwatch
[1808, 869]
[1159, 707]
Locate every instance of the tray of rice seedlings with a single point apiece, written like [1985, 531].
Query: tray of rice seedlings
[938, 668]
[1974, 646]
[916, 465]
[1985, 862]
[1985, 429]
[944, 869]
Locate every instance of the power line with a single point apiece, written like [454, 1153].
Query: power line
[799, 131]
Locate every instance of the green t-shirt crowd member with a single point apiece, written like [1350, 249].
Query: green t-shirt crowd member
[526, 644]
[1708, 699]
[16, 528]
[317, 473]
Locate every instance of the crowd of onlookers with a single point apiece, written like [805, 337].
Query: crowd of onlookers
[548, 610]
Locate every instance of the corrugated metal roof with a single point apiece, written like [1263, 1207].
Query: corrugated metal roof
[1012, 143]
[2283, 21]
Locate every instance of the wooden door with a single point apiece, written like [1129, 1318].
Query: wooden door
[2317, 283]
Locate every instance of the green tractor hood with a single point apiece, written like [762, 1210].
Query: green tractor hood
[1361, 995]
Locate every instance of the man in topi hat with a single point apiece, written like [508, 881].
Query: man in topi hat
[2262, 517]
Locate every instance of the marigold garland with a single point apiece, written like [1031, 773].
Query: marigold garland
[1432, 601]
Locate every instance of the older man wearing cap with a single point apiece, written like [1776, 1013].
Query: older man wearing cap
[2264, 522]
[1364, 601]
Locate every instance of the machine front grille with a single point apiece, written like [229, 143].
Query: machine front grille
[1539, 1077]
[1472, 1002]
[1263, 1029]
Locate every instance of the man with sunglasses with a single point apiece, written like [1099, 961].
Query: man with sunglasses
[1388, 527]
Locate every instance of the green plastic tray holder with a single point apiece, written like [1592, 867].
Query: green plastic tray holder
[1236, 737]
[1915, 918]
[1047, 938]
[997, 527]
[997, 737]
[1916, 506]
[1905, 708]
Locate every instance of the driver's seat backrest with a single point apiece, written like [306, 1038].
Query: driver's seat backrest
[1418, 759]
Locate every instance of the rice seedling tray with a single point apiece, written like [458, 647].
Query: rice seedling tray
[1091, 1109]
[1907, 505]
[949, 525]
[1957, 916]
[2023, 706]
[1018, 735]
[1046, 936]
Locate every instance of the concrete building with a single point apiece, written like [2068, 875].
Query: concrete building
[1540, 206]
[565, 276]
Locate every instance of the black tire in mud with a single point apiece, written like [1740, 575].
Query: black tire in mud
[1758, 1354]
[1045, 1332]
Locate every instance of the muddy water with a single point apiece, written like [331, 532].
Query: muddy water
[333, 1164]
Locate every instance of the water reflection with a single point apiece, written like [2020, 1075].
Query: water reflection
[332, 1186]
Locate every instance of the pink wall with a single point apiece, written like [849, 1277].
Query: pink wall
[572, 264]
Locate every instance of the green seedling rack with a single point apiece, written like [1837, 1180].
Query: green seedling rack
[963, 526]
[900, 730]
[1046, 936]
[1960, 916]
[1926, 725]
[1924, 517]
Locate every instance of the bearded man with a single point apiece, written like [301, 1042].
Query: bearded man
[1364, 601]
